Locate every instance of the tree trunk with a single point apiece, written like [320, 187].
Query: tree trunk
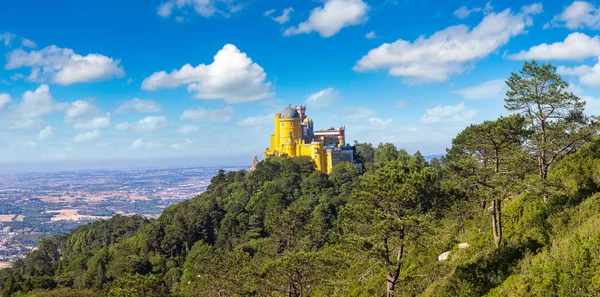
[497, 221]
[392, 277]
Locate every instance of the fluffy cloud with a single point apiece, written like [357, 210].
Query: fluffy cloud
[371, 35]
[7, 38]
[123, 126]
[284, 17]
[360, 112]
[181, 146]
[208, 115]
[33, 107]
[578, 15]
[205, 8]
[463, 12]
[232, 77]
[332, 17]
[592, 105]
[140, 144]
[138, 105]
[4, 99]
[446, 52]
[63, 66]
[377, 123]
[28, 43]
[269, 12]
[84, 115]
[149, 123]
[449, 114]
[577, 46]
[487, 90]
[188, 129]
[87, 136]
[323, 99]
[45, 133]
[256, 121]
[589, 76]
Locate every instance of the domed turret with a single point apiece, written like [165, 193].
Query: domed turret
[289, 113]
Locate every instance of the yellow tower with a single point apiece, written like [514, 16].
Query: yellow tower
[289, 140]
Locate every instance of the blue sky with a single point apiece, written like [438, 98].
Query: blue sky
[197, 81]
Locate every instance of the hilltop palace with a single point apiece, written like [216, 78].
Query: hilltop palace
[294, 136]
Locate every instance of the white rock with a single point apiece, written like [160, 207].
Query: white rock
[444, 256]
[463, 245]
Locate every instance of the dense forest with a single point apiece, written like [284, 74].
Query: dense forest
[512, 210]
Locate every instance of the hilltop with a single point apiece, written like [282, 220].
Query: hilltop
[511, 210]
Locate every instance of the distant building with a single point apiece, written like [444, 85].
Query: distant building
[294, 136]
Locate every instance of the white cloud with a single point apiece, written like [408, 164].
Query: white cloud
[84, 115]
[45, 133]
[578, 15]
[360, 112]
[589, 76]
[152, 123]
[284, 17]
[208, 115]
[377, 123]
[256, 121]
[446, 52]
[577, 46]
[463, 12]
[28, 43]
[63, 66]
[87, 136]
[138, 105]
[592, 105]
[332, 17]
[269, 12]
[4, 99]
[371, 35]
[33, 107]
[323, 99]
[188, 129]
[488, 90]
[149, 123]
[449, 114]
[400, 104]
[181, 146]
[140, 144]
[7, 38]
[165, 9]
[232, 77]
[123, 126]
[205, 8]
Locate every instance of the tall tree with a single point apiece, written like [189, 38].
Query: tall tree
[554, 115]
[487, 160]
[390, 211]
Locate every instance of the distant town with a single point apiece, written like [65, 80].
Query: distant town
[33, 205]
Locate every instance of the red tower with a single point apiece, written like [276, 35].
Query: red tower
[302, 111]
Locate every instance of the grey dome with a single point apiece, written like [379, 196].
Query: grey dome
[289, 113]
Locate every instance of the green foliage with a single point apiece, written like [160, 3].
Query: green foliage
[286, 229]
[136, 285]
